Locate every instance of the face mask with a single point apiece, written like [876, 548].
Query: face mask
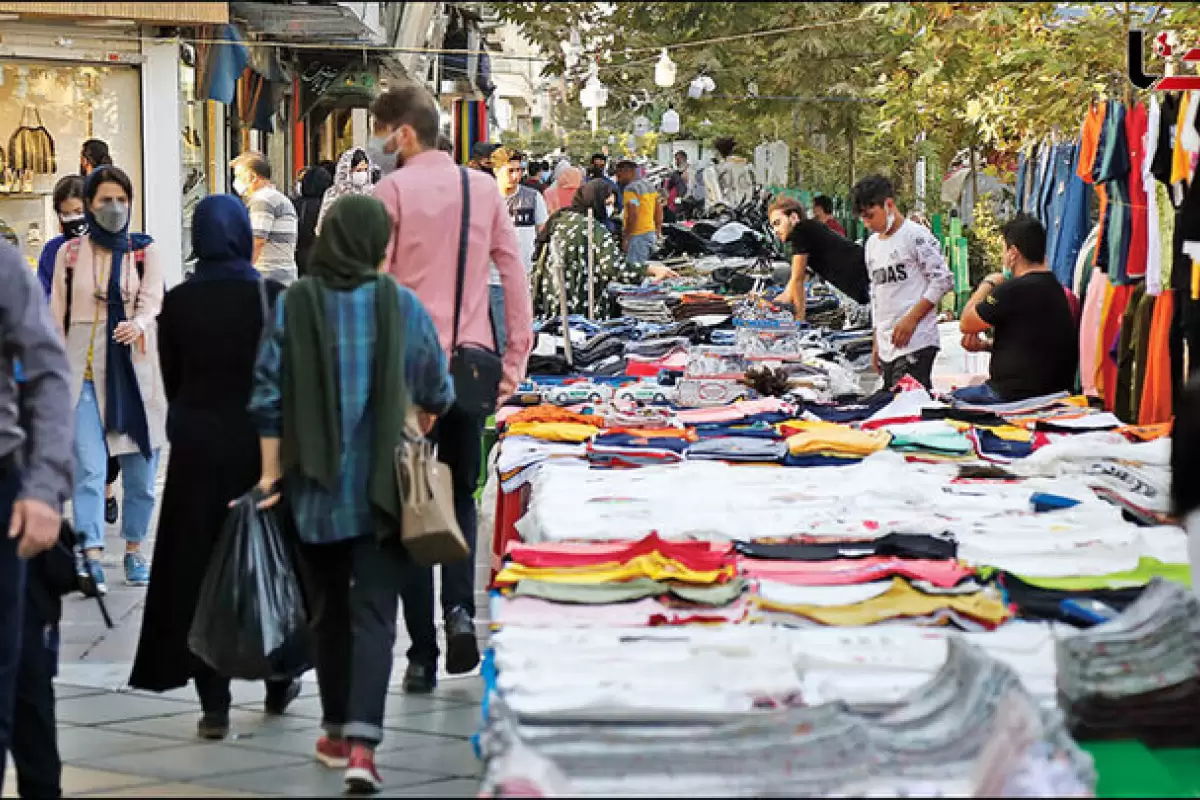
[360, 179]
[112, 216]
[74, 225]
[891, 220]
[240, 187]
[610, 208]
[375, 151]
[297, 187]
[544, 175]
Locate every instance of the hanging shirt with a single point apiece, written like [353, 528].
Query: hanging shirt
[1149, 187]
[905, 268]
[1136, 124]
[1114, 172]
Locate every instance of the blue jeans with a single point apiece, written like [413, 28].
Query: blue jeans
[12, 611]
[496, 311]
[91, 468]
[981, 395]
[640, 247]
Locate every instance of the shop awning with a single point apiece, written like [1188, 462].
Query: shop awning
[155, 13]
[292, 22]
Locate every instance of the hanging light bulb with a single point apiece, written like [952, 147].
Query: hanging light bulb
[664, 71]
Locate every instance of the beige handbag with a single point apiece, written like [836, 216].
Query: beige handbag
[428, 527]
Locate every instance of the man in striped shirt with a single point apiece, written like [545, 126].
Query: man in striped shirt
[272, 216]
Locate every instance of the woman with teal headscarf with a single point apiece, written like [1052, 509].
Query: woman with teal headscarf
[351, 351]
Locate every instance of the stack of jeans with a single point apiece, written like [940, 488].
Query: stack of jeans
[1136, 676]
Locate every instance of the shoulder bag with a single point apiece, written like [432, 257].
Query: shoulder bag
[476, 370]
[428, 528]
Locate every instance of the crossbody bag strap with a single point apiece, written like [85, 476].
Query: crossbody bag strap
[462, 252]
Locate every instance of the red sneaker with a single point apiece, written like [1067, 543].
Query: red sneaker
[333, 753]
[361, 775]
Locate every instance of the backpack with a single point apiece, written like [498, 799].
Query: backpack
[73, 245]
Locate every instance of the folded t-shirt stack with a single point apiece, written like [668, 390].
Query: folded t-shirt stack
[814, 443]
[930, 440]
[646, 583]
[698, 304]
[1136, 676]
[628, 447]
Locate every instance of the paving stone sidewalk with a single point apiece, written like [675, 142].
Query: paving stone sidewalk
[116, 742]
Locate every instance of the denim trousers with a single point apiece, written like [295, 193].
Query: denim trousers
[12, 609]
[496, 312]
[354, 589]
[981, 395]
[640, 247]
[91, 469]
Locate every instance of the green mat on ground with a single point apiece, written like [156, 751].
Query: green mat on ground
[1130, 769]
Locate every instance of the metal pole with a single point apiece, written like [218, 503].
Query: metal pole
[556, 265]
[591, 272]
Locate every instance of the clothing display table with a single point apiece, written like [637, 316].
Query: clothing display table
[875, 595]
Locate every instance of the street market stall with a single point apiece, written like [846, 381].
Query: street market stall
[698, 588]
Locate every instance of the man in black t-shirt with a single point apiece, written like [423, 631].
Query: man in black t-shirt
[1034, 341]
[816, 247]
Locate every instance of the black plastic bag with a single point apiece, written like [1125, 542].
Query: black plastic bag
[251, 621]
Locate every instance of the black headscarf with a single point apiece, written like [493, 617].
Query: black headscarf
[593, 195]
[222, 240]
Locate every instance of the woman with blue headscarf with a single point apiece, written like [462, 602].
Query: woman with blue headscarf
[107, 292]
[209, 332]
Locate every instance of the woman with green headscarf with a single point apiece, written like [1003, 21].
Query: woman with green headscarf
[350, 352]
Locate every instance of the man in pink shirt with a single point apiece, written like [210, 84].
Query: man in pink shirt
[424, 198]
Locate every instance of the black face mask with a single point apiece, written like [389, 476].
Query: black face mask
[74, 228]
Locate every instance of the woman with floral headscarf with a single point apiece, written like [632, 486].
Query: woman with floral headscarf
[353, 176]
[565, 240]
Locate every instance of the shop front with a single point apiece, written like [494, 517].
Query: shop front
[51, 110]
[73, 72]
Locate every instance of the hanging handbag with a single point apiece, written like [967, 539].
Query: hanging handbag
[476, 370]
[428, 527]
[32, 147]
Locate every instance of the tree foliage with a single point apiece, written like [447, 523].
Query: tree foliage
[986, 75]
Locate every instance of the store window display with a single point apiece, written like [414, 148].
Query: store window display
[47, 113]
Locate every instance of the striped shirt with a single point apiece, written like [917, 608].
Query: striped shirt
[322, 517]
[273, 218]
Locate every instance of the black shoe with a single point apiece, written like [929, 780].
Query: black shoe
[462, 650]
[280, 696]
[419, 679]
[111, 510]
[213, 727]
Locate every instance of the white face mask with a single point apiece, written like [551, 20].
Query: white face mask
[360, 179]
[891, 220]
[240, 187]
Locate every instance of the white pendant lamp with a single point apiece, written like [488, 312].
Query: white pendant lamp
[664, 71]
[670, 122]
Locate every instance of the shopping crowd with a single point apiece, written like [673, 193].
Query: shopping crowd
[287, 362]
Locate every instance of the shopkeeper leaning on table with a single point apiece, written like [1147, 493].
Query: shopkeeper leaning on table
[1034, 341]
[816, 247]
